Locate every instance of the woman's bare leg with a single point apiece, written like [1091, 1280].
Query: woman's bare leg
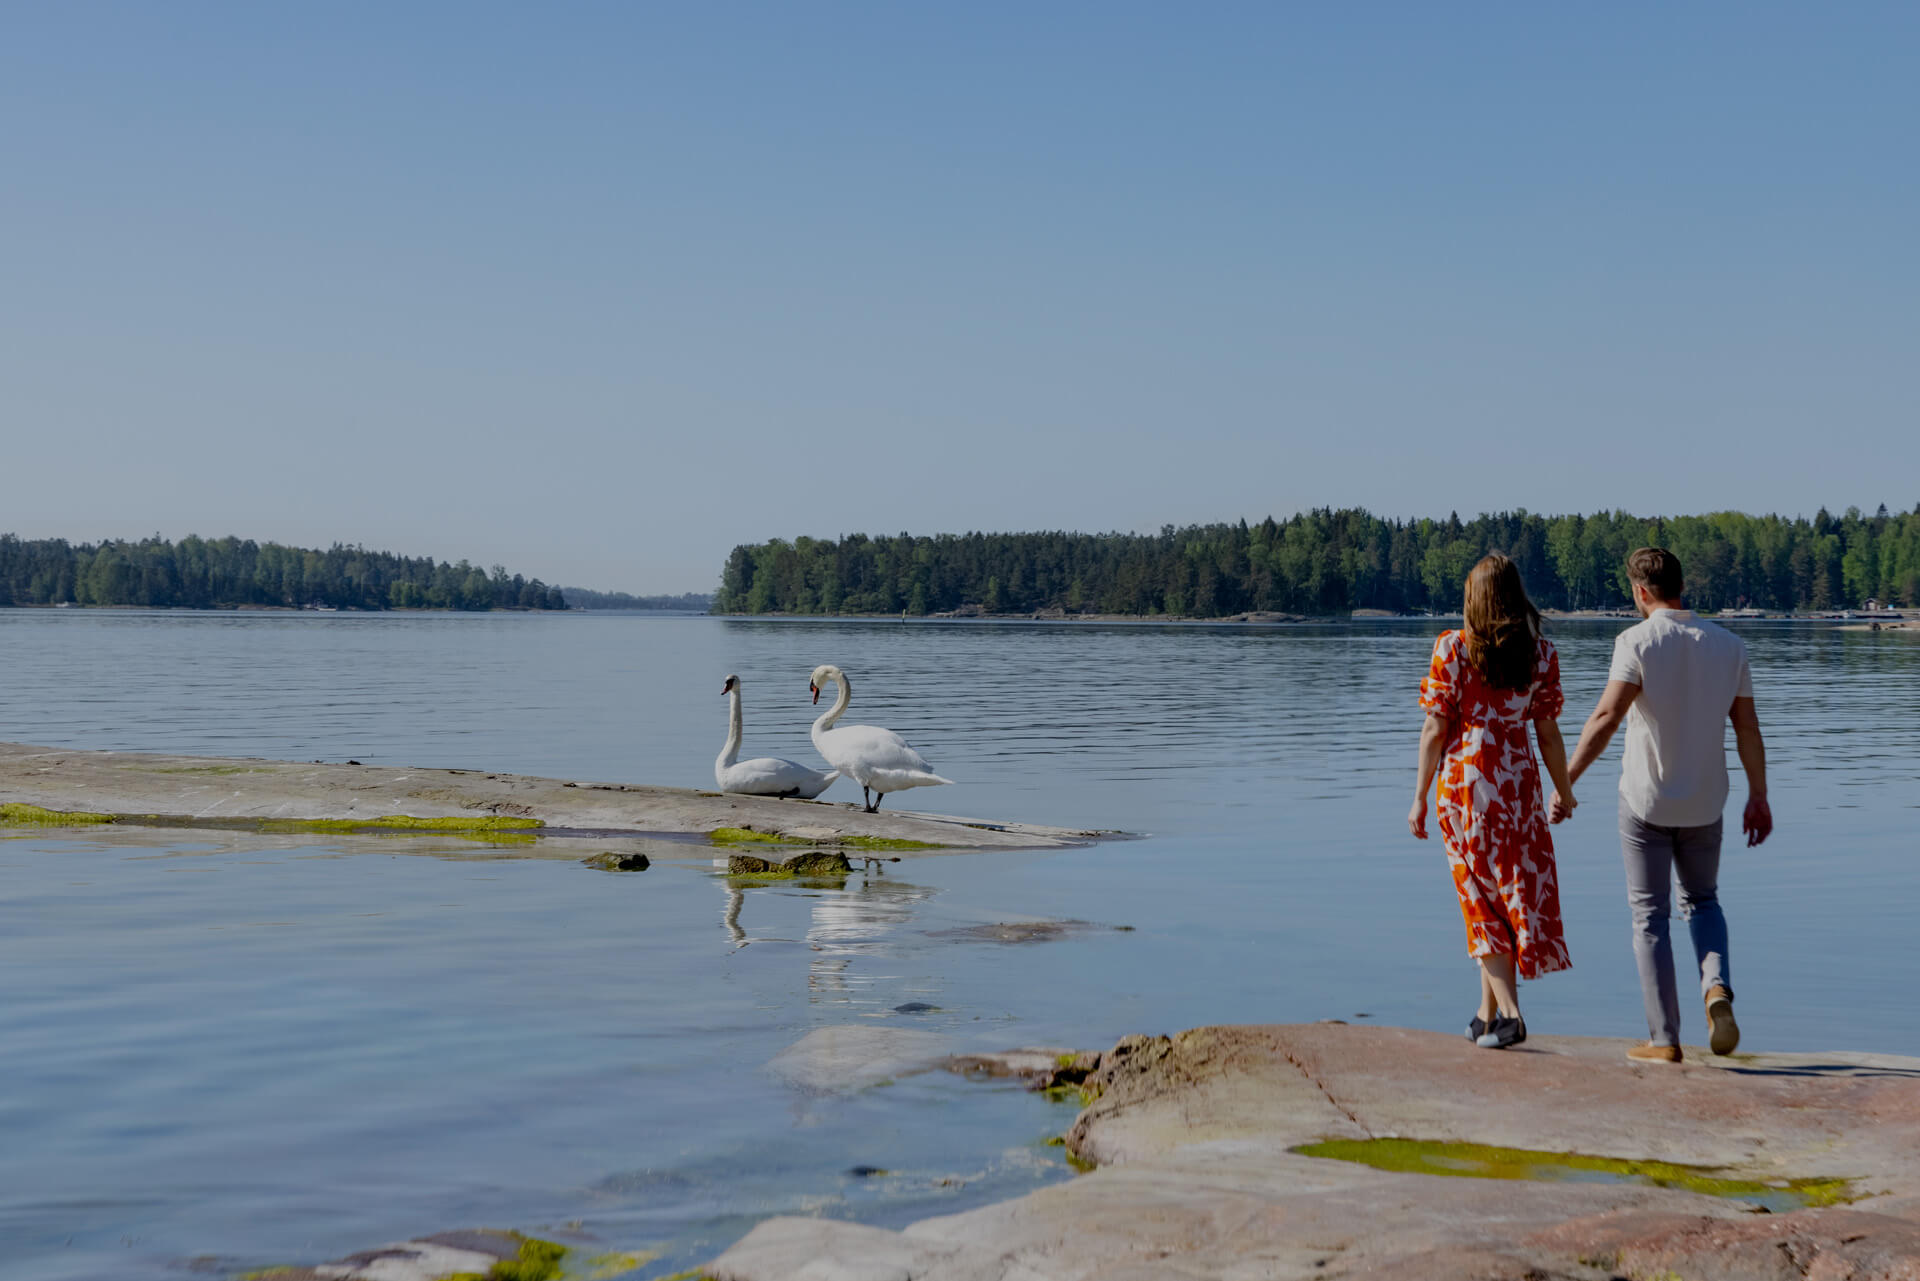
[1496, 972]
[1489, 1004]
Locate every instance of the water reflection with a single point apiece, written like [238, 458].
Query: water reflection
[861, 919]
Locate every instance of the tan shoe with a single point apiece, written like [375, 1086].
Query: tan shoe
[1724, 1033]
[1651, 1053]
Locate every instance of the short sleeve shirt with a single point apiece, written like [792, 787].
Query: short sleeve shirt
[1689, 672]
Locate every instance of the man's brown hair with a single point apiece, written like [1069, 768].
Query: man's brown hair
[1657, 570]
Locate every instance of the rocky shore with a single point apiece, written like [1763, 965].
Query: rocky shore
[82, 787]
[1593, 1168]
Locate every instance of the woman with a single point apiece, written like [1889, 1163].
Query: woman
[1486, 682]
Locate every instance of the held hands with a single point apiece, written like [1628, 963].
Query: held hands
[1417, 817]
[1561, 807]
[1757, 822]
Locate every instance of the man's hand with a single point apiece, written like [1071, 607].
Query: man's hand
[1417, 817]
[1561, 807]
[1757, 822]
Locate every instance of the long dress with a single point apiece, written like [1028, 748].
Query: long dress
[1490, 806]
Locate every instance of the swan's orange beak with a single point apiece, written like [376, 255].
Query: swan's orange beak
[816, 691]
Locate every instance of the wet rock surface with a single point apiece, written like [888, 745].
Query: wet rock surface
[1015, 932]
[814, 863]
[223, 791]
[852, 1056]
[1195, 1134]
[614, 861]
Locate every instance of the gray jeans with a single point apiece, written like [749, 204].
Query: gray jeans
[1654, 857]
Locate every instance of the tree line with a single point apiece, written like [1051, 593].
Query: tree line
[1328, 562]
[225, 573]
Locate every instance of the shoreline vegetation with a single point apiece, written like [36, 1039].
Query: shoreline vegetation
[235, 573]
[1327, 563]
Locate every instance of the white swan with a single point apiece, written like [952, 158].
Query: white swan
[877, 759]
[765, 775]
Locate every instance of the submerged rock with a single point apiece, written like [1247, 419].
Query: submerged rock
[847, 1057]
[1013, 931]
[614, 861]
[479, 1253]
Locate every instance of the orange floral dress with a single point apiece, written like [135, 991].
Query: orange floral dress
[1490, 806]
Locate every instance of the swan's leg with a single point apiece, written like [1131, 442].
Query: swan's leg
[877, 798]
[866, 797]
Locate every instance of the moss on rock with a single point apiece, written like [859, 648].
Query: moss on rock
[820, 864]
[456, 824]
[614, 861]
[1482, 1161]
[16, 814]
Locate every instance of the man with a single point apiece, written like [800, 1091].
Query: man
[1676, 679]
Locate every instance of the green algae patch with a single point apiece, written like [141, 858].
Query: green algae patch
[601, 1267]
[745, 836]
[876, 844]
[458, 825]
[1481, 1161]
[537, 1261]
[17, 814]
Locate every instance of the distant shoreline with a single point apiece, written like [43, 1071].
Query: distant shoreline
[1857, 620]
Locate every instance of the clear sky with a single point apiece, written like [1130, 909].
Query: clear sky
[600, 290]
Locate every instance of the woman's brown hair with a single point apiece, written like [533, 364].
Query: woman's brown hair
[1502, 624]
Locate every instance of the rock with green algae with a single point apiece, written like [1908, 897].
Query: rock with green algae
[862, 844]
[815, 863]
[1202, 1138]
[614, 861]
[15, 814]
[405, 823]
[476, 1255]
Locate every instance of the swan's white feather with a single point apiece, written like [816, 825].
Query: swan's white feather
[868, 754]
[772, 776]
[763, 775]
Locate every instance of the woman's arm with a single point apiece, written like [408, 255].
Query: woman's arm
[1433, 745]
[1553, 753]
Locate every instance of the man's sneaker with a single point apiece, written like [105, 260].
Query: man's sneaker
[1500, 1034]
[1651, 1053]
[1723, 1033]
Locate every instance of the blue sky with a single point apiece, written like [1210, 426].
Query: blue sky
[598, 291]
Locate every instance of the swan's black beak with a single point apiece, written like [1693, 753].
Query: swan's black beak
[816, 691]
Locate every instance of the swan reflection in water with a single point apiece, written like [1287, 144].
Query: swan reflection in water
[859, 920]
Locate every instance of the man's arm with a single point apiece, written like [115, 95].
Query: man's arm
[1600, 727]
[1757, 822]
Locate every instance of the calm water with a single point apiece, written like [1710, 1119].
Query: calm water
[268, 1052]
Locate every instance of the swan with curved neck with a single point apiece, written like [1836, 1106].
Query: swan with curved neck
[877, 759]
[764, 775]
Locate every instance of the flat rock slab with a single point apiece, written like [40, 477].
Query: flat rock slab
[844, 1057]
[1198, 1177]
[217, 790]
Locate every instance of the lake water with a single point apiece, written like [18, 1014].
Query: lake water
[245, 1051]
